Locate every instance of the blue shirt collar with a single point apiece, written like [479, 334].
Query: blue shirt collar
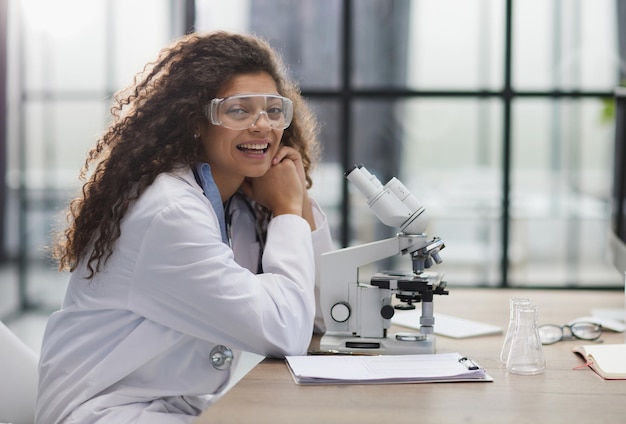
[203, 173]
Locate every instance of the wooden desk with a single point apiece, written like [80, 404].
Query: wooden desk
[559, 395]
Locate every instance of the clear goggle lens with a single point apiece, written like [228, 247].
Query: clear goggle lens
[243, 111]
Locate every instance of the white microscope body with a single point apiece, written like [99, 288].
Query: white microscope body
[357, 315]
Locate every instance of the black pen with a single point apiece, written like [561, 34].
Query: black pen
[337, 352]
[471, 365]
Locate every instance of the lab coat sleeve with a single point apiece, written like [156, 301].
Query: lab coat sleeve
[246, 247]
[186, 278]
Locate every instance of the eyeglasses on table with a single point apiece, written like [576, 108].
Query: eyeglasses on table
[551, 333]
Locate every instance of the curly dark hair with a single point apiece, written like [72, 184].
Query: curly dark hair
[152, 131]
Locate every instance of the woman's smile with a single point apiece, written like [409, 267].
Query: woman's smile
[253, 148]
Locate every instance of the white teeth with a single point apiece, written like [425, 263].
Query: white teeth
[253, 146]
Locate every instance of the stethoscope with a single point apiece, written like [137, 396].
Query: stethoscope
[228, 216]
[222, 356]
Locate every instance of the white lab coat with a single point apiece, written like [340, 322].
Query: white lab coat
[133, 344]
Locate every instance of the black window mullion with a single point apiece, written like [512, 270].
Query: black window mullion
[506, 148]
[346, 116]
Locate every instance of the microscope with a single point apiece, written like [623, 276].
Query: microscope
[357, 315]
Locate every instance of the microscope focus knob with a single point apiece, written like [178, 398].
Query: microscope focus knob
[340, 311]
[387, 311]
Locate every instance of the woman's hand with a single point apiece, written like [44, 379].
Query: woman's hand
[283, 188]
[291, 154]
[279, 190]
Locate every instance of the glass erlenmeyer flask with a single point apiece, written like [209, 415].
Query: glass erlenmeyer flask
[506, 346]
[526, 353]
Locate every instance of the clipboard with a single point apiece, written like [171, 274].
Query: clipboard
[385, 369]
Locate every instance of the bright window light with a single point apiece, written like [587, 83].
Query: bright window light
[59, 18]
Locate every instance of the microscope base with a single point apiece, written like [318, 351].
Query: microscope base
[398, 344]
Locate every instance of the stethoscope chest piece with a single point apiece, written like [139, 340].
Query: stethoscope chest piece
[221, 357]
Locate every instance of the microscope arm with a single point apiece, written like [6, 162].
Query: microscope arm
[339, 272]
[339, 279]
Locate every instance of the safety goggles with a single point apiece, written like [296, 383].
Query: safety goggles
[243, 111]
[550, 333]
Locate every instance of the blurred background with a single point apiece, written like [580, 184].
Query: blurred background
[496, 114]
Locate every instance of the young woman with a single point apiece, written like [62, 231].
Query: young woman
[193, 239]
